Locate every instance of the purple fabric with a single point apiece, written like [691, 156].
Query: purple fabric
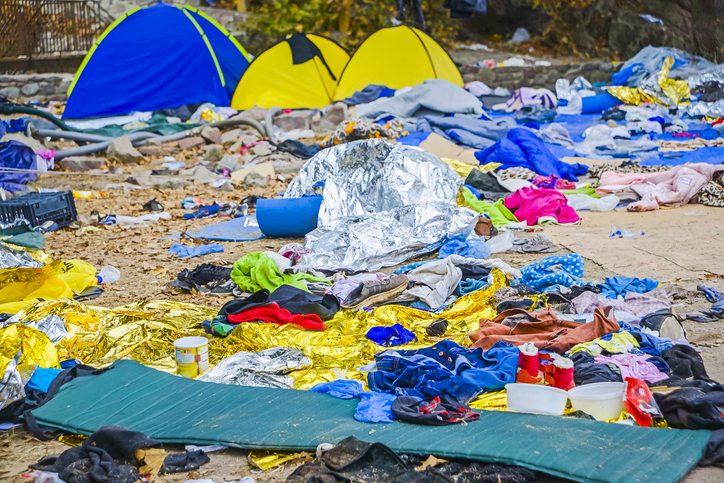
[637, 304]
[530, 204]
[634, 366]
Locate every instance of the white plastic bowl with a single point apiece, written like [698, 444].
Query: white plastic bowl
[602, 400]
[536, 399]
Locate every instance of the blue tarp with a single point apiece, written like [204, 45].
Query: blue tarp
[14, 154]
[156, 58]
[236, 230]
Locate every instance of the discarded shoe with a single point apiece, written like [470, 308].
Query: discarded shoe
[206, 273]
[372, 293]
[153, 205]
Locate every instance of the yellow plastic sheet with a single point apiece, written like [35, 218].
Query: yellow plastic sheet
[491, 401]
[145, 332]
[265, 460]
[35, 347]
[19, 287]
[620, 342]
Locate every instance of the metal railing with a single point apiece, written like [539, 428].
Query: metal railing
[46, 28]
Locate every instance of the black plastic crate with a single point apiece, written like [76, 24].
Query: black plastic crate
[38, 208]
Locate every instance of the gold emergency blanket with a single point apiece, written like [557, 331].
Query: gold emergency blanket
[35, 347]
[145, 332]
[677, 91]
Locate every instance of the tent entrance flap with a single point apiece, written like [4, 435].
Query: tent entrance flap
[304, 50]
[173, 409]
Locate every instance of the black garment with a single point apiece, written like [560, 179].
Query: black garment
[714, 451]
[473, 271]
[433, 412]
[355, 460]
[525, 304]
[92, 461]
[586, 371]
[614, 114]
[577, 290]
[184, 462]
[184, 112]
[711, 91]
[304, 50]
[294, 300]
[487, 184]
[685, 363]
[418, 17]
[465, 8]
[298, 149]
[694, 407]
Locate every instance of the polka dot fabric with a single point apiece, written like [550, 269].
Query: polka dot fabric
[550, 272]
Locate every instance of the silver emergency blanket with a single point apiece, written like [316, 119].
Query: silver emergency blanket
[12, 384]
[265, 368]
[52, 326]
[711, 109]
[16, 259]
[382, 205]
[715, 74]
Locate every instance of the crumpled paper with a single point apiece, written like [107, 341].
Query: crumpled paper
[382, 204]
[267, 368]
[145, 332]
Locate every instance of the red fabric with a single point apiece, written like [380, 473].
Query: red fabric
[274, 315]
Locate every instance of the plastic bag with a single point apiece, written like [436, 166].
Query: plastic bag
[375, 407]
[580, 201]
[625, 233]
[502, 242]
[639, 402]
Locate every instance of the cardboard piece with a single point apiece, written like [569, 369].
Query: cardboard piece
[264, 169]
[442, 148]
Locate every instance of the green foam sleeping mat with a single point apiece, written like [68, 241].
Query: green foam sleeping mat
[177, 410]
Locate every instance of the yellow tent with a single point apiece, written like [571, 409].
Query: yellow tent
[300, 72]
[396, 57]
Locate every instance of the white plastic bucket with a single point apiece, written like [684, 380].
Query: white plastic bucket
[192, 356]
[536, 399]
[602, 400]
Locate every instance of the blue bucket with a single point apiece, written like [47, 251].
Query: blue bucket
[288, 216]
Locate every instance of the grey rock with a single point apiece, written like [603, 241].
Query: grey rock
[63, 87]
[11, 92]
[121, 150]
[235, 148]
[294, 120]
[230, 137]
[30, 89]
[254, 179]
[255, 113]
[336, 114]
[82, 163]
[247, 139]
[323, 126]
[286, 163]
[211, 134]
[214, 154]
[228, 161]
[260, 149]
[188, 143]
[162, 150]
[46, 89]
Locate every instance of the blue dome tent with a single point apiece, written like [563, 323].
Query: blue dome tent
[156, 57]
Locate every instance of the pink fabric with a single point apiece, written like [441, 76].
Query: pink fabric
[611, 181]
[672, 188]
[530, 204]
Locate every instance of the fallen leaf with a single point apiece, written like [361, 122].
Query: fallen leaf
[430, 462]
[153, 461]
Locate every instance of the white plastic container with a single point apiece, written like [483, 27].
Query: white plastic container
[192, 356]
[536, 399]
[602, 400]
[109, 274]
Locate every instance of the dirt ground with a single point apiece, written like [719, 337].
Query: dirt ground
[681, 245]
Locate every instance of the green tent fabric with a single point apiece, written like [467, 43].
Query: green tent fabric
[498, 213]
[157, 124]
[177, 410]
[257, 270]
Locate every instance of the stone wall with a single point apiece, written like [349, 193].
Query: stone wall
[43, 87]
[539, 76]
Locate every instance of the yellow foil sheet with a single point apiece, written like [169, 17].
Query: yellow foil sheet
[676, 90]
[464, 169]
[145, 332]
[35, 347]
[491, 401]
[265, 460]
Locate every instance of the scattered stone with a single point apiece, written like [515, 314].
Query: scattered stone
[230, 137]
[255, 179]
[30, 89]
[82, 163]
[11, 92]
[188, 143]
[323, 126]
[122, 151]
[214, 154]
[228, 161]
[248, 139]
[255, 113]
[336, 114]
[162, 150]
[235, 148]
[211, 134]
[286, 163]
[32, 143]
[260, 149]
[172, 183]
[294, 120]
